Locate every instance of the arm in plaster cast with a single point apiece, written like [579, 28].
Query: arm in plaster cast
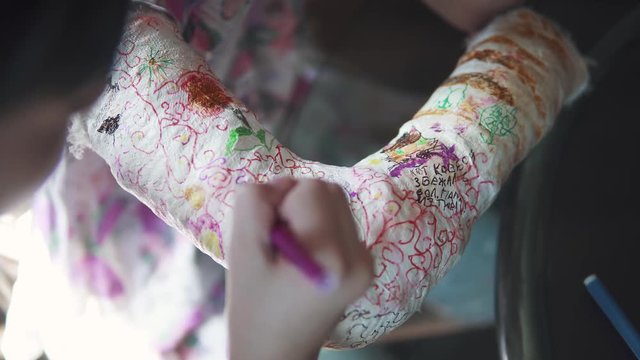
[174, 138]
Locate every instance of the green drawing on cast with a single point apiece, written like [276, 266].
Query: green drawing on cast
[454, 98]
[155, 64]
[498, 120]
[237, 133]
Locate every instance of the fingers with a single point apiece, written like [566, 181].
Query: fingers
[361, 261]
[345, 217]
[309, 211]
[318, 215]
[360, 272]
[253, 217]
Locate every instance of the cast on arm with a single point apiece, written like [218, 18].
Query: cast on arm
[175, 138]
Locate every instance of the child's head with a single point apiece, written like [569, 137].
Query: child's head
[55, 55]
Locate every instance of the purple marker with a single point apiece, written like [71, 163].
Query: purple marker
[285, 242]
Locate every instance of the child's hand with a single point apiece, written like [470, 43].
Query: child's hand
[274, 311]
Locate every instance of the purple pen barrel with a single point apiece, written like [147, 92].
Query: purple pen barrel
[286, 244]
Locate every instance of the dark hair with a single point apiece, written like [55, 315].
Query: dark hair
[52, 47]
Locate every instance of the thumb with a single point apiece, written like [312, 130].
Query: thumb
[254, 214]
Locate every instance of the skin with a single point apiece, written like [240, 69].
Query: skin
[320, 219]
[470, 15]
